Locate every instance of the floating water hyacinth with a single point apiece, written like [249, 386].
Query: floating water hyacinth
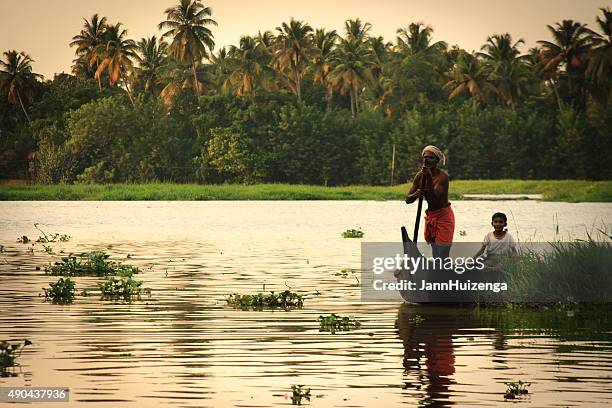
[334, 323]
[61, 292]
[284, 300]
[353, 233]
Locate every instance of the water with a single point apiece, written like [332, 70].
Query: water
[185, 347]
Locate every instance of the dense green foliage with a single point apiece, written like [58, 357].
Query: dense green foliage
[308, 106]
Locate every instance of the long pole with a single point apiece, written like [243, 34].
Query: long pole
[418, 220]
[419, 209]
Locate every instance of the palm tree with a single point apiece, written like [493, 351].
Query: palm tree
[417, 38]
[380, 49]
[508, 70]
[293, 50]
[569, 49]
[249, 66]
[470, 75]
[115, 55]
[17, 81]
[151, 57]
[352, 65]
[599, 69]
[324, 43]
[266, 39]
[357, 30]
[221, 67]
[186, 24]
[500, 48]
[86, 42]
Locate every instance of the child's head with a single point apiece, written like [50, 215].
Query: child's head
[499, 221]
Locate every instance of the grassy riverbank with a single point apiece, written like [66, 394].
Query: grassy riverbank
[551, 190]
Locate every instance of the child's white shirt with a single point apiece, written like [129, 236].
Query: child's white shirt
[495, 246]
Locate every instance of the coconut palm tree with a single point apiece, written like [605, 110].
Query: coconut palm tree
[324, 43]
[599, 69]
[292, 52]
[357, 30]
[151, 57]
[221, 68]
[91, 35]
[352, 65]
[417, 38]
[508, 70]
[115, 55]
[266, 39]
[191, 38]
[499, 48]
[470, 75]
[17, 81]
[568, 50]
[249, 66]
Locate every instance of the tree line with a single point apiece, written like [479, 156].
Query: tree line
[304, 105]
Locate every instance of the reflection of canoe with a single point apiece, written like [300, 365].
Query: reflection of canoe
[437, 276]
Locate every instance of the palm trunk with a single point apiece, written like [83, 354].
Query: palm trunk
[98, 78]
[24, 109]
[352, 103]
[556, 94]
[328, 96]
[298, 85]
[196, 85]
[127, 87]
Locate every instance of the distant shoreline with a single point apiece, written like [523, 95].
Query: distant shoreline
[550, 190]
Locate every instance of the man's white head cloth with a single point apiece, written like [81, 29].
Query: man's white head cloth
[436, 152]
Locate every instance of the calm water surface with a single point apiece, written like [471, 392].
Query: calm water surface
[184, 347]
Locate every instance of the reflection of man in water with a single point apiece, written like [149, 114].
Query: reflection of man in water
[432, 183]
[430, 338]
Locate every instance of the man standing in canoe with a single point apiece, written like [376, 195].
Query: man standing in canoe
[432, 183]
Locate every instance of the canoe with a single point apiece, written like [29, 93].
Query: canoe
[440, 278]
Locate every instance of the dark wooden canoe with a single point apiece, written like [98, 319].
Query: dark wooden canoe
[437, 296]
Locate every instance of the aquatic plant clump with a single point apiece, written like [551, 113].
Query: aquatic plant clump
[54, 238]
[8, 354]
[90, 264]
[353, 233]
[285, 300]
[116, 289]
[334, 323]
[23, 239]
[516, 389]
[61, 292]
[298, 392]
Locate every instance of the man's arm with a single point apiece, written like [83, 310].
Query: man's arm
[415, 191]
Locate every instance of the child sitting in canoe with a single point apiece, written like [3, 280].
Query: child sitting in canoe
[497, 243]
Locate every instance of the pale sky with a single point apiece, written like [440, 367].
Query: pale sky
[44, 28]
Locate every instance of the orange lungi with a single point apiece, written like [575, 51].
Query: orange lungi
[440, 226]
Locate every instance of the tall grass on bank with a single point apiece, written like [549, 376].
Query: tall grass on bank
[572, 272]
[551, 190]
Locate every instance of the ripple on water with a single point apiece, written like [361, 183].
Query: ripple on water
[183, 346]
